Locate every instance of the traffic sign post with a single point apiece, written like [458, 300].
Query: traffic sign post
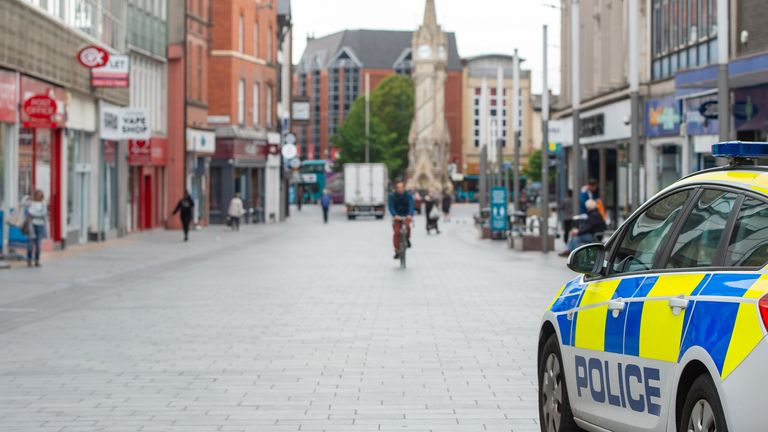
[499, 219]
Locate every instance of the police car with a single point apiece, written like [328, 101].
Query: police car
[665, 329]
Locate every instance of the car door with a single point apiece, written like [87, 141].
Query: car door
[604, 377]
[662, 307]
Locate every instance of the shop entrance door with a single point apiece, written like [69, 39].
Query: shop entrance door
[146, 202]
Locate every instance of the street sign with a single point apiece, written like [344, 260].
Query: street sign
[93, 56]
[499, 219]
[295, 164]
[290, 151]
[289, 139]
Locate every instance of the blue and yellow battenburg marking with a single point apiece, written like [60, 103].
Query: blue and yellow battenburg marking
[647, 327]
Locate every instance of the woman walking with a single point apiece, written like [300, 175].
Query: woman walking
[185, 207]
[235, 211]
[37, 218]
[447, 202]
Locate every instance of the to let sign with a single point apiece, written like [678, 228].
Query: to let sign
[40, 109]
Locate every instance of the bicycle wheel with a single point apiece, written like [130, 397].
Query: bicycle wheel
[403, 248]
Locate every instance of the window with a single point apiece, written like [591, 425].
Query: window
[241, 34]
[645, 234]
[748, 246]
[270, 48]
[682, 31]
[269, 106]
[241, 102]
[700, 237]
[256, 40]
[256, 104]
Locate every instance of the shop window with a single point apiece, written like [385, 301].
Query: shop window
[241, 102]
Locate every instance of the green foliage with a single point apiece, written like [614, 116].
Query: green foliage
[533, 171]
[391, 116]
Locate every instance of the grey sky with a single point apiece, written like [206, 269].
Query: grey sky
[481, 26]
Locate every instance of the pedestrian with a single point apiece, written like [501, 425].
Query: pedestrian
[566, 210]
[431, 212]
[299, 197]
[235, 212]
[588, 192]
[184, 208]
[34, 226]
[325, 202]
[593, 225]
[447, 202]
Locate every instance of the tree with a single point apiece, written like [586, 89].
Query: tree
[391, 116]
[533, 170]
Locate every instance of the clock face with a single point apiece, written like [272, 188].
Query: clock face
[442, 53]
[425, 51]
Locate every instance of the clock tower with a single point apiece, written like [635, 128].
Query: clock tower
[429, 138]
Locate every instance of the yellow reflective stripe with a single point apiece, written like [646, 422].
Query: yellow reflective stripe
[660, 330]
[747, 331]
[590, 323]
[557, 296]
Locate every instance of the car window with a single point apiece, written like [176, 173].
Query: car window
[699, 239]
[644, 236]
[748, 246]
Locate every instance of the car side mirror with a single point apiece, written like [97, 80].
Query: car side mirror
[588, 259]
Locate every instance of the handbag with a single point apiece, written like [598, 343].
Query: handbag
[434, 214]
[17, 218]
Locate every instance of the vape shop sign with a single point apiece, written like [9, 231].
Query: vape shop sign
[117, 124]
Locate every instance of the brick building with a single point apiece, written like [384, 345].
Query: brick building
[331, 74]
[243, 106]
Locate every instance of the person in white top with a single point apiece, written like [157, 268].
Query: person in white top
[235, 212]
[34, 226]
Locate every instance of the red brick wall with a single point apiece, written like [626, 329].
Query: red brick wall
[453, 114]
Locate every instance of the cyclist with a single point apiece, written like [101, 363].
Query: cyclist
[401, 208]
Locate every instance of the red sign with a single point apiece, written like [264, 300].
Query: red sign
[8, 97]
[93, 57]
[40, 109]
[143, 153]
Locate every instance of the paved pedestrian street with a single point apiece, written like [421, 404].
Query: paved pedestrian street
[297, 326]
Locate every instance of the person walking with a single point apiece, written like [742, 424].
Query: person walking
[431, 212]
[566, 210]
[184, 208]
[447, 202]
[235, 212]
[325, 202]
[34, 226]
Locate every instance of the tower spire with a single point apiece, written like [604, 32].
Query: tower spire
[430, 16]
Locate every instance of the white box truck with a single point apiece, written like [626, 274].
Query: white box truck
[365, 189]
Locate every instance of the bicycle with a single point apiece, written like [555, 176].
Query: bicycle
[404, 227]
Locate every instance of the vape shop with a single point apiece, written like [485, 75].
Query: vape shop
[146, 183]
[40, 148]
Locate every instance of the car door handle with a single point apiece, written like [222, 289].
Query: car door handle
[678, 304]
[616, 307]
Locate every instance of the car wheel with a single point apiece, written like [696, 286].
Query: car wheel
[554, 408]
[351, 217]
[702, 411]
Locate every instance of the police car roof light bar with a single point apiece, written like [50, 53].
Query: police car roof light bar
[740, 152]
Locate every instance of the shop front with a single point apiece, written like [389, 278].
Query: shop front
[238, 166]
[201, 145]
[146, 182]
[702, 129]
[9, 94]
[664, 149]
[40, 162]
[750, 112]
[80, 149]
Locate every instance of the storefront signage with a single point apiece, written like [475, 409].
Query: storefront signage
[119, 124]
[93, 56]
[40, 109]
[592, 126]
[701, 116]
[309, 178]
[499, 219]
[662, 117]
[115, 74]
[201, 142]
[8, 97]
[147, 152]
[750, 110]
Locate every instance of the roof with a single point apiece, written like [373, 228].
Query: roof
[373, 49]
[749, 177]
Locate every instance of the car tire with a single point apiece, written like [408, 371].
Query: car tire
[351, 217]
[702, 408]
[554, 407]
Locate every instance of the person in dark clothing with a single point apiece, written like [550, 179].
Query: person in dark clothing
[400, 205]
[566, 210]
[185, 208]
[447, 202]
[325, 202]
[431, 213]
[586, 234]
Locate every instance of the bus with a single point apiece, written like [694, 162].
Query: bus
[314, 176]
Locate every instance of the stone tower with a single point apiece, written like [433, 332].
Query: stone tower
[429, 138]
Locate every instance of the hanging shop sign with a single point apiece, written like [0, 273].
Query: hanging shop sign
[119, 124]
[40, 110]
[750, 109]
[115, 74]
[147, 152]
[701, 116]
[662, 117]
[93, 56]
[201, 142]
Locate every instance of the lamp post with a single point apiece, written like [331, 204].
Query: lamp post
[723, 84]
[634, 100]
[575, 100]
[545, 154]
